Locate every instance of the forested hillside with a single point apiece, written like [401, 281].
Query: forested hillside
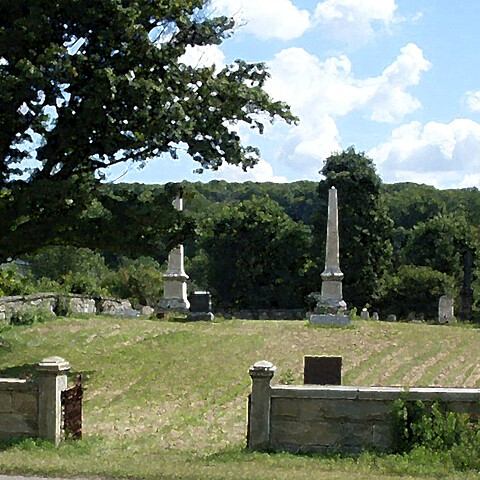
[261, 245]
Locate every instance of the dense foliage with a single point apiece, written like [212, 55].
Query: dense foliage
[86, 85]
[67, 269]
[255, 255]
[262, 244]
[414, 290]
[435, 428]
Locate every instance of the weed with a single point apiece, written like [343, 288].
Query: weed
[434, 428]
[28, 315]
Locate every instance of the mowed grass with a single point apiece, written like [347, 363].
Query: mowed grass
[168, 399]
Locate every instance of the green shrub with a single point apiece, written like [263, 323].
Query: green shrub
[139, 280]
[74, 270]
[415, 289]
[28, 314]
[14, 282]
[434, 428]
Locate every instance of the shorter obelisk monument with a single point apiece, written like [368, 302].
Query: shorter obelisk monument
[175, 278]
[330, 309]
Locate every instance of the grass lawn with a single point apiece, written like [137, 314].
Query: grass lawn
[168, 399]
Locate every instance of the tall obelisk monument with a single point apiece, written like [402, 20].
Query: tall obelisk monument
[175, 278]
[331, 308]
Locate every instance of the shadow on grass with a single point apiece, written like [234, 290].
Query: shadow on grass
[26, 370]
[179, 319]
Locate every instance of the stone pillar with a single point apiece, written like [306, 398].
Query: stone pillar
[259, 411]
[51, 383]
[175, 278]
[331, 307]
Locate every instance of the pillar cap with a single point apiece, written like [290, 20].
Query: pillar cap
[53, 365]
[262, 368]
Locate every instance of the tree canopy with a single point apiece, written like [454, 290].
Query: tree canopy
[85, 85]
[256, 256]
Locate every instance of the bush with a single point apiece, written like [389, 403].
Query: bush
[74, 270]
[29, 314]
[14, 282]
[415, 289]
[436, 429]
[138, 280]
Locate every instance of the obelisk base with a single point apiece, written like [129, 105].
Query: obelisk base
[330, 319]
[175, 293]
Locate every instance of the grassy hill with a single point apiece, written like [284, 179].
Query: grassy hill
[168, 399]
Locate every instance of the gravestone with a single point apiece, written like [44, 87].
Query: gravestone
[322, 370]
[375, 316]
[200, 306]
[392, 318]
[364, 315]
[445, 310]
[147, 310]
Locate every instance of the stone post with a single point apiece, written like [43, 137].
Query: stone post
[259, 412]
[51, 383]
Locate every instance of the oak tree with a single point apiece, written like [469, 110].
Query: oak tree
[85, 85]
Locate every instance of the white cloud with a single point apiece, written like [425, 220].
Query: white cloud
[203, 56]
[472, 100]
[265, 18]
[354, 21]
[389, 100]
[472, 180]
[439, 154]
[262, 172]
[321, 91]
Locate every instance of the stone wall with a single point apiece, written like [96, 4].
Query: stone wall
[18, 409]
[311, 418]
[63, 304]
[32, 408]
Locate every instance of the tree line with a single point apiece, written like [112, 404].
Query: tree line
[402, 246]
[262, 245]
[88, 85]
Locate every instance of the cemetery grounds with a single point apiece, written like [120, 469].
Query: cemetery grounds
[167, 399]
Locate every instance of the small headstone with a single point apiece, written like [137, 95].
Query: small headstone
[392, 318]
[364, 315]
[118, 308]
[375, 316]
[322, 370]
[445, 310]
[200, 306]
[147, 311]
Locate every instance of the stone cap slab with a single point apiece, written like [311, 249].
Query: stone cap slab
[53, 365]
[315, 391]
[263, 368]
[376, 393]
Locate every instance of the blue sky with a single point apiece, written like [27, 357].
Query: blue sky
[398, 79]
